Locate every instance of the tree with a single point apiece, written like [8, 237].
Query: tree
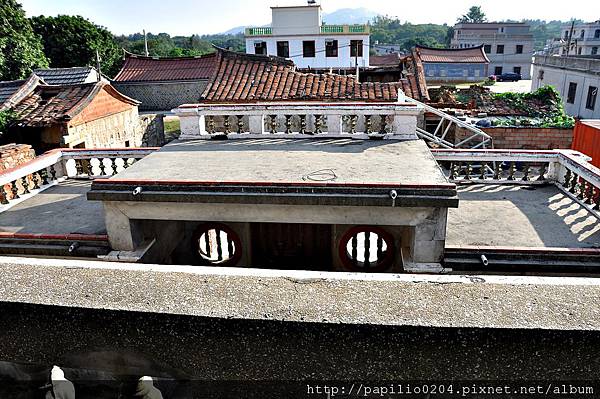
[474, 16]
[71, 41]
[20, 48]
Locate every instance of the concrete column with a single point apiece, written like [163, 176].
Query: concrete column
[405, 127]
[256, 124]
[123, 235]
[334, 124]
[192, 126]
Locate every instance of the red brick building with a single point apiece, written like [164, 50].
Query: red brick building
[83, 116]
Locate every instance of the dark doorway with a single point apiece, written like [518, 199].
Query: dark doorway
[291, 246]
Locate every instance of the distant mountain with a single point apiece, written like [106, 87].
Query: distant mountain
[234, 31]
[342, 16]
[349, 16]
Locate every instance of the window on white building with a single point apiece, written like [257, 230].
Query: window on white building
[487, 48]
[517, 69]
[500, 49]
[260, 48]
[594, 50]
[582, 34]
[519, 49]
[572, 93]
[331, 48]
[591, 98]
[308, 49]
[579, 50]
[597, 34]
[356, 48]
[283, 49]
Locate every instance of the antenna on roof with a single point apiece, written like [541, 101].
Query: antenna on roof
[99, 72]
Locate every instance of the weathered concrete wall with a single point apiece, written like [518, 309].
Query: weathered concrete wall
[219, 349]
[117, 130]
[163, 96]
[525, 138]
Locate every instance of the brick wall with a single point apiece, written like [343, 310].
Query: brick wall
[525, 138]
[12, 155]
[114, 131]
[153, 130]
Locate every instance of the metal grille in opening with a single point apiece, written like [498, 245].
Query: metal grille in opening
[217, 245]
[367, 249]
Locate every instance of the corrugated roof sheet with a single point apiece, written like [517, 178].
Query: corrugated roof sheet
[445, 55]
[66, 76]
[244, 78]
[148, 69]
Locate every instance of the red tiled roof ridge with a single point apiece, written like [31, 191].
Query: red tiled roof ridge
[250, 78]
[139, 68]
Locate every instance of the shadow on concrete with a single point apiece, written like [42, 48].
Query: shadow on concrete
[522, 216]
[61, 209]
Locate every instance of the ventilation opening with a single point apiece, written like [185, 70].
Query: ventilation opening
[216, 245]
[367, 249]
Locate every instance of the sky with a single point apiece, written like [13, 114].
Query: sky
[186, 17]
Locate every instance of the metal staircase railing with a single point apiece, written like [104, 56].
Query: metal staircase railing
[478, 138]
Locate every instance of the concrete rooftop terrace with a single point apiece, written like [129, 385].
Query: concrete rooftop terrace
[302, 161]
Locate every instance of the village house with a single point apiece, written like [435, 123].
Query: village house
[298, 33]
[580, 39]
[508, 45]
[458, 65]
[74, 116]
[577, 79]
[161, 84]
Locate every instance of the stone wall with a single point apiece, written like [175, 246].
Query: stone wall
[152, 129]
[525, 138]
[163, 96]
[12, 155]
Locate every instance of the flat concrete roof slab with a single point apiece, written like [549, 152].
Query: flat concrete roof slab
[520, 216]
[342, 161]
[61, 209]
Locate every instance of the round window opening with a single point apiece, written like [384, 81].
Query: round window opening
[217, 245]
[367, 249]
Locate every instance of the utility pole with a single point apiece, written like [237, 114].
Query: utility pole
[570, 37]
[146, 44]
[356, 61]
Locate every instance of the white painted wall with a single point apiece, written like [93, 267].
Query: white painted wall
[560, 79]
[343, 60]
[304, 20]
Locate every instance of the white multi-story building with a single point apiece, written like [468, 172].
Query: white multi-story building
[509, 46]
[577, 79]
[584, 39]
[298, 33]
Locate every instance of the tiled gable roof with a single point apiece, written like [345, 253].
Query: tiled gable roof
[446, 55]
[48, 105]
[152, 69]
[14, 91]
[65, 76]
[243, 78]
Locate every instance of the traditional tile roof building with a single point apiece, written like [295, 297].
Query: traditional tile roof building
[86, 115]
[246, 78]
[161, 84]
[453, 65]
[12, 92]
[69, 76]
